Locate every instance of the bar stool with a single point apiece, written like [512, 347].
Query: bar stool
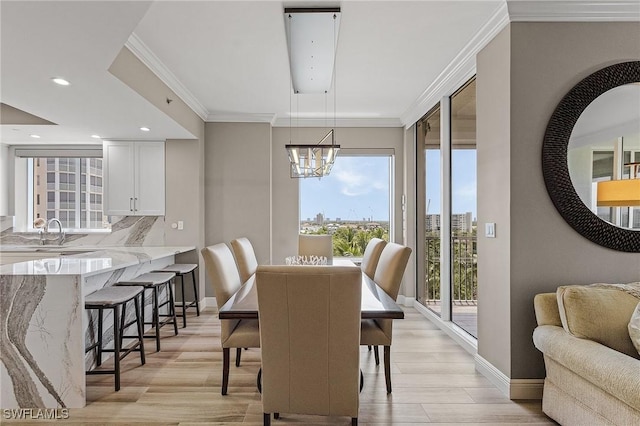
[182, 269]
[113, 298]
[154, 281]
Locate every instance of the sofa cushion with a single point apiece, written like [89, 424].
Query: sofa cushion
[597, 313]
[634, 328]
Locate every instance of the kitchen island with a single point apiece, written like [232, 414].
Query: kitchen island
[44, 327]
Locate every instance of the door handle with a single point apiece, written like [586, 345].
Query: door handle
[131, 204]
[135, 204]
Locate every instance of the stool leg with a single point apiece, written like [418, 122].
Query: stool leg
[184, 303]
[99, 360]
[123, 315]
[116, 345]
[195, 290]
[172, 307]
[156, 317]
[140, 321]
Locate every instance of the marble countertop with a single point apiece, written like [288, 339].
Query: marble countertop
[99, 260]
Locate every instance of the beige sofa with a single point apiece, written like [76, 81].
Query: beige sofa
[593, 369]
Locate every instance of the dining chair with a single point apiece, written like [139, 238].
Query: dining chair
[224, 276]
[316, 245]
[389, 272]
[245, 257]
[371, 256]
[309, 332]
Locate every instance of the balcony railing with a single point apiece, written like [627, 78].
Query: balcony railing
[464, 270]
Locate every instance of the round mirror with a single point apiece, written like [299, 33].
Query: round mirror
[590, 146]
[604, 154]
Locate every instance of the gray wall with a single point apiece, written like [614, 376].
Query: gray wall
[535, 250]
[238, 185]
[493, 154]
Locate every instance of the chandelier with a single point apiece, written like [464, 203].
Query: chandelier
[312, 35]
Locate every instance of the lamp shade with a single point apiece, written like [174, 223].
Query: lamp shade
[619, 193]
[312, 35]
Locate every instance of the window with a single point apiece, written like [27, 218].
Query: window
[69, 199]
[353, 203]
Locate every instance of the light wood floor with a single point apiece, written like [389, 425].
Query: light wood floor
[434, 382]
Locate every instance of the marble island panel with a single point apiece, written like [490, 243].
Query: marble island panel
[45, 327]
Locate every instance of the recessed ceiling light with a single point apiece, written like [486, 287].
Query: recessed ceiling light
[60, 81]
[145, 129]
[95, 136]
[35, 136]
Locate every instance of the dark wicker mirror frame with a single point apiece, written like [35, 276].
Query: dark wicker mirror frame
[554, 158]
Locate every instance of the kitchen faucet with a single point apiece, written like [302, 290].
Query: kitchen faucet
[61, 234]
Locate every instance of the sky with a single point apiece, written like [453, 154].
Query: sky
[358, 187]
[464, 181]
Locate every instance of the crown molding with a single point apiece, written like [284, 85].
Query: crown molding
[459, 70]
[240, 118]
[142, 52]
[573, 11]
[339, 122]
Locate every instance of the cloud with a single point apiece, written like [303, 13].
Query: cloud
[358, 179]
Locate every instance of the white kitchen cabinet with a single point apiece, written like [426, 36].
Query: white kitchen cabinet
[133, 178]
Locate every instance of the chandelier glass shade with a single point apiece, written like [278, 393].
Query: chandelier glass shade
[312, 160]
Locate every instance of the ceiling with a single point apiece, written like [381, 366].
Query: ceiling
[227, 60]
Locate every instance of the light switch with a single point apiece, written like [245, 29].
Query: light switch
[490, 230]
[180, 225]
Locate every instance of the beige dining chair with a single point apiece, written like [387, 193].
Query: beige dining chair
[245, 257]
[389, 272]
[309, 332]
[224, 276]
[316, 245]
[371, 256]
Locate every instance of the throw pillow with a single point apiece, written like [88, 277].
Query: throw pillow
[634, 328]
[598, 314]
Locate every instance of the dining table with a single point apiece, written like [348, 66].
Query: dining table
[375, 302]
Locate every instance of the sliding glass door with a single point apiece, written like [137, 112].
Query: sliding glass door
[429, 185]
[447, 281]
[464, 255]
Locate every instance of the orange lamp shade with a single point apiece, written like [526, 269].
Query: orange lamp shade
[619, 193]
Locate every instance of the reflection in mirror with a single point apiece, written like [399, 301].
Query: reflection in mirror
[605, 147]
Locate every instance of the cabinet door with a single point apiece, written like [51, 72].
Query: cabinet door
[149, 179]
[118, 182]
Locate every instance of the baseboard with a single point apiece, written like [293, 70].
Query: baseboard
[208, 302]
[406, 301]
[461, 337]
[512, 388]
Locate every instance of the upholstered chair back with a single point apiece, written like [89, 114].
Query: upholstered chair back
[223, 274]
[389, 272]
[371, 256]
[309, 334]
[245, 257]
[316, 245]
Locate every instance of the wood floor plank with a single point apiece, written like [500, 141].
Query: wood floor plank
[434, 383]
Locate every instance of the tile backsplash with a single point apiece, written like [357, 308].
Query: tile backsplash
[126, 231]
